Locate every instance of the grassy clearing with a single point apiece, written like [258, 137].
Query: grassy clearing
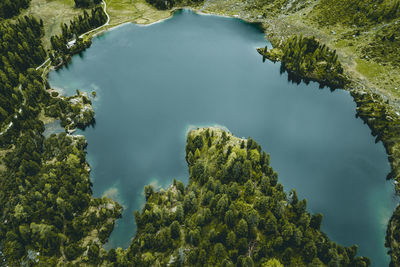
[137, 11]
[53, 13]
[369, 69]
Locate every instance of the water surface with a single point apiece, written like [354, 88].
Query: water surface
[154, 82]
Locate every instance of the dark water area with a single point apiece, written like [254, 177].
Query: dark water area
[155, 82]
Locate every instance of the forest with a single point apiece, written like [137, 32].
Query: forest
[306, 59]
[47, 211]
[20, 84]
[48, 207]
[233, 212]
[61, 51]
[74, 111]
[10, 8]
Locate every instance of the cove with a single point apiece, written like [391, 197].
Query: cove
[155, 82]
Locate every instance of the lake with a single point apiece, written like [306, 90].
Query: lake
[155, 82]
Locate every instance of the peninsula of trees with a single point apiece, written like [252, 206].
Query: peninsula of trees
[233, 211]
[306, 59]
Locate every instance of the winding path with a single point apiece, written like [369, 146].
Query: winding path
[105, 24]
[47, 60]
[83, 34]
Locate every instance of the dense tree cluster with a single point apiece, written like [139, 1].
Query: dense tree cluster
[29, 97]
[46, 203]
[10, 8]
[73, 111]
[167, 4]
[21, 86]
[86, 3]
[79, 25]
[306, 59]
[47, 213]
[233, 212]
[361, 13]
[20, 49]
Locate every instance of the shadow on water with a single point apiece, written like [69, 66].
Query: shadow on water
[154, 82]
[297, 79]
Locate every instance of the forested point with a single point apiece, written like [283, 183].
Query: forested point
[10, 8]
[68, 42]
[233, 212]
[74, 111]
[306, 59]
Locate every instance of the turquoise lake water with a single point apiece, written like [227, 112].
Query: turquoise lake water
[155, 82]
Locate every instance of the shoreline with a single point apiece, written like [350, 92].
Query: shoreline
[352, 86]
[356, 85]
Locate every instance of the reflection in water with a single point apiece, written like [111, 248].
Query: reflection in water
[153, 83]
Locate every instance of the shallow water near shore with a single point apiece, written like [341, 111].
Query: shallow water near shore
[154, 83]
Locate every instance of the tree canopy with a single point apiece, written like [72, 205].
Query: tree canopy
[10, 8]
[86, 3]
[228, 220]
